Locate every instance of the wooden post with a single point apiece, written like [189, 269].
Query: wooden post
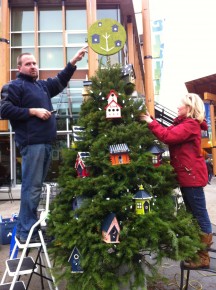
[130, 37]
[4, 52]
[91, 7]
[212, 99]
[147, 52]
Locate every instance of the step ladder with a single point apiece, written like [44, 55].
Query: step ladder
[25, 264]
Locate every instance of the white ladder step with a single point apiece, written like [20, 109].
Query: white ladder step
[27, 266]
[19, 285]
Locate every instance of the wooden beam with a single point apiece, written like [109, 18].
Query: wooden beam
[130, 41]
[209, 97]
[4, 45]
[4, 52]
[147, 51]
[91, 9]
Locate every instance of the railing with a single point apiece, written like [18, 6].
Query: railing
[163, 115]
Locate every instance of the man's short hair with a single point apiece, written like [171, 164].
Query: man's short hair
[19, 58]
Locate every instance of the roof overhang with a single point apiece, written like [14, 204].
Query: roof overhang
[203, 85]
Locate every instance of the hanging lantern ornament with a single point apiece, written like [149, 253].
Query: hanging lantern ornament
[157, 152]
[142, 201]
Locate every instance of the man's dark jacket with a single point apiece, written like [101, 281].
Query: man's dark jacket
[19, 95]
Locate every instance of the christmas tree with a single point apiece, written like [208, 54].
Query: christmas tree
[100, 179]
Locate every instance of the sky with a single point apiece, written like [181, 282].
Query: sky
[189, 43]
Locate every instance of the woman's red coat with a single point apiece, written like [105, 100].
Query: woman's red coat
[184, 141]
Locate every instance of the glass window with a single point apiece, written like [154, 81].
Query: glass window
[50, 20]
[83, 64]
[22, 20]
[115, 58]
[76, 38]
[4, 158]
[53, 173]
[50, 38]
[22, 39]
[68, 102]
[51, 58]
[108, 13]
[17, 51]
[76, 20]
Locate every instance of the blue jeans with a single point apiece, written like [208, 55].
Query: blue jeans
[35, 164]
[194, 199]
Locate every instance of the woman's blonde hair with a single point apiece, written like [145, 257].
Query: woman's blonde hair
[196, 105]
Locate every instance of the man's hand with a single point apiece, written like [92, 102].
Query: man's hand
[79, 55]
[40, 113]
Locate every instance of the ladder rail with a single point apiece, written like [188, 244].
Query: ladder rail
[27, 245]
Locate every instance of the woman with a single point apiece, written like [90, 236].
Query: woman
[184, 141]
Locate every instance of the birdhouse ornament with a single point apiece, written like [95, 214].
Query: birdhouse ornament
[113, 109]
[128, 74]
[110, 229]
[77, 135]
[142, 201]
[80, 166]
[157, 152]
[74, 260]
[119, 154]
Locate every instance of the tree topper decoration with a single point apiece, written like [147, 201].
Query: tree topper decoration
[106, 36]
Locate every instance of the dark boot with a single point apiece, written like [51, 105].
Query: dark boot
[204, 259]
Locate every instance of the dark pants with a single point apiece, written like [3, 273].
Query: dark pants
[194, 199]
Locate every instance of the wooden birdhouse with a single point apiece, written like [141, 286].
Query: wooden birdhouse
[81, 168]
[142, 201]
[119, 154]
[77, 135]
[86, 90]
[156, 154]
[77, 202]
[128, 74]
[110, 229]
[113, 109]
[74, 260]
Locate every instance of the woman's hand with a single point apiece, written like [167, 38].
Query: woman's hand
[146, 117]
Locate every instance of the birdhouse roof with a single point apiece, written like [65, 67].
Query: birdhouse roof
[82, 155]
[142, 194]
[108, 221]
[118, 148]
[112, 92]
[78, 128]
[127, 69]
[113, 104]
[75, 251]
[155, 149]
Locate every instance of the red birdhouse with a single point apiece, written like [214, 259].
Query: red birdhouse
[119, 154]
[82, 169]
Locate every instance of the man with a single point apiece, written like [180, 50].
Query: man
[210, 169]
[27, 104]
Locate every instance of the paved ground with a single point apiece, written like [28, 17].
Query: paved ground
[199, 280]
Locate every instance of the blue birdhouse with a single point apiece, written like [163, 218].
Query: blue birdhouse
[74, 260]
[142, 201]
